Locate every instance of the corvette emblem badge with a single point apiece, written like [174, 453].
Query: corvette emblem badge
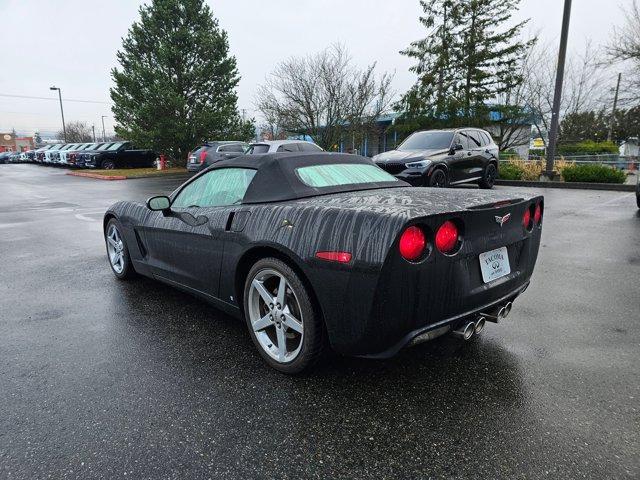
[502, 220]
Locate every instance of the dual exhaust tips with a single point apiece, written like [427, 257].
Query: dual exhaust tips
[472, 328]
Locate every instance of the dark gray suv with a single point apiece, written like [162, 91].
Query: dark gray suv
[438, 158]
[212, 152]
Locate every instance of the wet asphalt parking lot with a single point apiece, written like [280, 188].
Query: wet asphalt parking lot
[104, 379]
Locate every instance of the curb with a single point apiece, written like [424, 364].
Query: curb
[97, 176]
[616, 187]
[122, 177]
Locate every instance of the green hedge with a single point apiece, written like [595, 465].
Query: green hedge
[593, 173]
[510, 171]
[587, 147]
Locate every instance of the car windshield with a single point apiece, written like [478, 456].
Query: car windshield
[333, 175]
[427, 141]
[115, 146]
[91, 146]
[104, 147]
[258, 148]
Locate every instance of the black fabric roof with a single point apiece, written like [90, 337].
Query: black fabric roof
[276, 179]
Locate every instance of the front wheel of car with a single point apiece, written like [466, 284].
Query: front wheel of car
[117, 251]
[489, 177]
[438, 178]
[284, 325]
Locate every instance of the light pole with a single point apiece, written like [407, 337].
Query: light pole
[64, 129]
[104, 137]
[557, 96]
[93, 128]
[613, 110]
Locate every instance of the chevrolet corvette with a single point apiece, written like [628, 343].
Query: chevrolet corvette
[317, 250]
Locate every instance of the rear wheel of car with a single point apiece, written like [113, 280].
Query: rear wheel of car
[117, 251]
[281, 318]
[108, 165]
[438, 178]
[489, 177]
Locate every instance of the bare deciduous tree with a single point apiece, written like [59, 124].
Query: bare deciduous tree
[625, 48]
[584, 85]
[77, 132]
[324, 96]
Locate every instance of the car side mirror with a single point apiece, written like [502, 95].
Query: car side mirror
[161, 203]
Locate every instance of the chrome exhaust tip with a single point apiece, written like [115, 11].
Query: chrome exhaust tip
[501, 314]
[465, 332]
[479, 325]
[507, 309]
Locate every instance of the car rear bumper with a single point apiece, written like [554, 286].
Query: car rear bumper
[195, 167]
[442, 327]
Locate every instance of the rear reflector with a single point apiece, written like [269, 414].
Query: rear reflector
[340, 257]
[412, 243]
[537, 214]
[526, 219]
[447, 237]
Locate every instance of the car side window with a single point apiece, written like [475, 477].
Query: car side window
[463, 139]
[487, 139]
[474, 139]
[288, 147]
[309, 147]
[216, 188]
[235, 147]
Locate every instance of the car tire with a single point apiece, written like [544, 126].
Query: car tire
[117, 247]
[270, 324]
[108, 165]
[438, 179]
[489, 176]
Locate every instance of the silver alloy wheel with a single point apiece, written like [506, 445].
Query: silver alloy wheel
[115, 249]
[275, 315]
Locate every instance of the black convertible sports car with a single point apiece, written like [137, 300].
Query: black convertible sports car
[317, 247]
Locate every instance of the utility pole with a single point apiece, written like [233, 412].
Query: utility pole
[104, 137]
[613, 110]
[93, 127]
[557, 96]
[64, 128]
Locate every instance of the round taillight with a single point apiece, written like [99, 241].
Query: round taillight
[537, 214]
[447, 237]
[412, 243]
[526, 219]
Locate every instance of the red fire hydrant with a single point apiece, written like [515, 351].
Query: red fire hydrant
[162, 162]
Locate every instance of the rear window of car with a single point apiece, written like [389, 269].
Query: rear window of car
[258, 148]
[288, 147]
[115, 146]
[333, 175]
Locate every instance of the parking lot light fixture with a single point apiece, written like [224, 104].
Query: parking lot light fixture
[64, 128]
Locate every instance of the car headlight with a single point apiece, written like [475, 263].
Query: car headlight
[420, 164]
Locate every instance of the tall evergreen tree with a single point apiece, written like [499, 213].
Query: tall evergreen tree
[176, 83]
[469, 57]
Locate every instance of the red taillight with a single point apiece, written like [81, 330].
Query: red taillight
[412, 243]
[340, 257]
[203, 156]
[447, 237]
[537, 214]
[526, 219]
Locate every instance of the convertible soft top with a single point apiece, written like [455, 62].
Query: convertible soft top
[276, 179]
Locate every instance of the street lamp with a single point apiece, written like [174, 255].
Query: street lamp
[64, 129]
[104, 137]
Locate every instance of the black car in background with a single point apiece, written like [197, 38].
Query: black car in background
[211, 152]
[4, 157]
[118, 155]
[438, 158]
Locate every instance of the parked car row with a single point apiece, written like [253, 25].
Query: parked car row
[209, 153]
[101, 155]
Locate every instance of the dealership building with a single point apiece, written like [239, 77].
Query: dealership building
[10, 142]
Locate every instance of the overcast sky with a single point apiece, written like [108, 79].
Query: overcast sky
[72, 44]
